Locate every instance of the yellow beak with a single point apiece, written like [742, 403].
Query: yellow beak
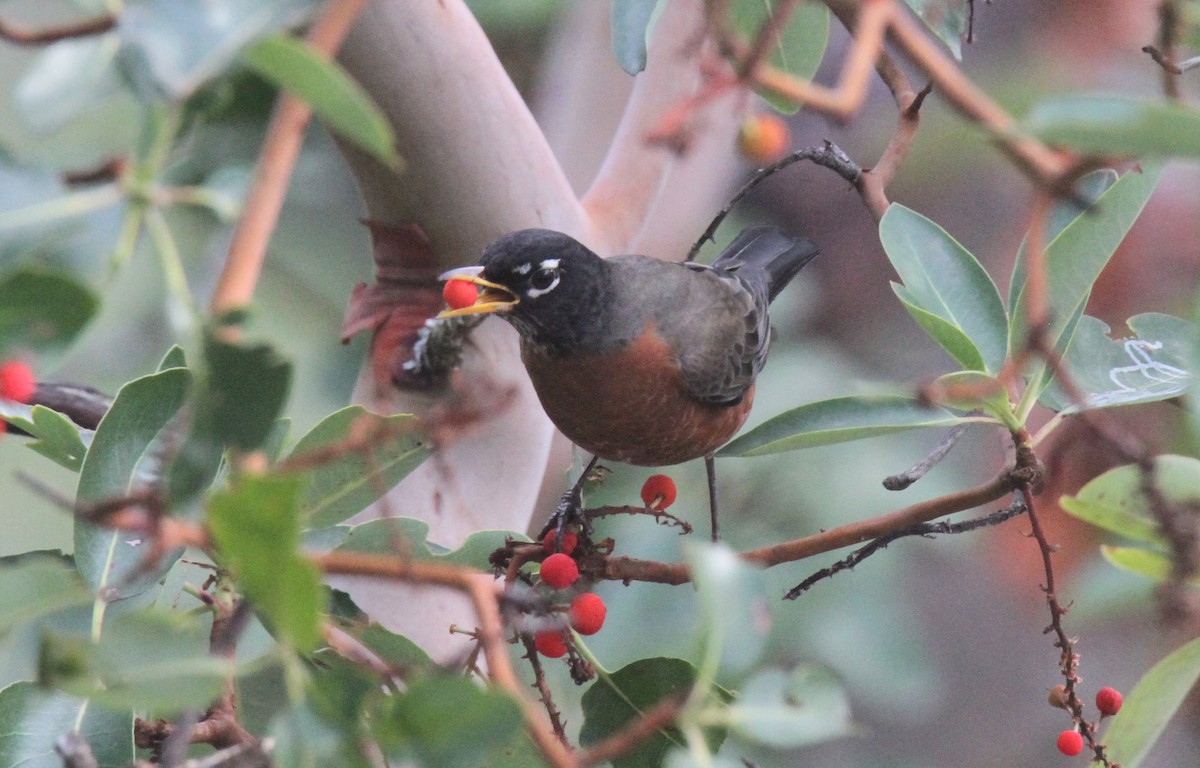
[492, 298]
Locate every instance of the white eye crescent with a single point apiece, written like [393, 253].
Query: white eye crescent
[542, 282]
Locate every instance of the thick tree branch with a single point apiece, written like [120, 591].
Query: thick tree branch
[623, 194]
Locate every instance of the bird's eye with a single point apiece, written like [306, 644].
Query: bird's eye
[543, 279]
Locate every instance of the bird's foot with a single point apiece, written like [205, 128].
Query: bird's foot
[569, 511]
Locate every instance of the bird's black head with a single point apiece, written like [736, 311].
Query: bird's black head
[548, 285]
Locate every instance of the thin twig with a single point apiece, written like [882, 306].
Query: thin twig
[544, 693]
[914, 473]
[650, 723]
[484, 595]
[1068, 658]
[843, 100]
[1168, 33]
[1045, 165]
[17, 35]
[629, 569]
[660, 516]
[75, 751]
[925, 530]
[239, 277]
[828, 155]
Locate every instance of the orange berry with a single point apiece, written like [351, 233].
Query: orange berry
[17, 381]
[459, 293]
[658, 492]
[763, 138]
[587, 613]
[1070, 743]
[559, 571]
[569, 542]
[552, 645]
[1108, 701]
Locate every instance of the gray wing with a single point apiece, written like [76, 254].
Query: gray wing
[717, 322]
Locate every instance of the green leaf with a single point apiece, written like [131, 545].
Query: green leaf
[1079, 253]
[945, 18]
[475, 550]
[1063, 213]
[124, 456]
[788, 710]
[175, 358]
[42, 311]
[1152, 565]
[67, 80]
[944, 332]
[1104, 124]
[55, 436]
[972, 390]
[37, 587]
[387, 535]
[305, 740]
[32, 719]
[735, 616]
[170, 49]
[349, 481]
[1114, 501]
[256, 525]
[1154, 364]
[156, 662]
[334, 96]
[800, 46]
[632, 23]
[239, 399]
[433, 715]
[839, 420]
[630, 692]
[1151, 704]
[944, 279]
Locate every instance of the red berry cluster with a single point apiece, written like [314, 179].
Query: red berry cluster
[586, 611]
[1108, 701]
[17, 382]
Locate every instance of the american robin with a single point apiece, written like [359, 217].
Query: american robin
[635, 359]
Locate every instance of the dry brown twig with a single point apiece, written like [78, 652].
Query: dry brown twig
[484, 594]
[627, 569]
[19, 35]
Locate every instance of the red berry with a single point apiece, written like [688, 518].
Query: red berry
[17, 381]
[658, 492]
[763, 139]
[459, 293]
[587, 613]
[552, 645]
[569, 542]
[559, 571]
[1108, 701]
[1070, 743]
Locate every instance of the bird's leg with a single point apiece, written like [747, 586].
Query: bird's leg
[710, 468]
[570, 508]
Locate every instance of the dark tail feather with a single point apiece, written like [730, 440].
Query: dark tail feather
[767, 254]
